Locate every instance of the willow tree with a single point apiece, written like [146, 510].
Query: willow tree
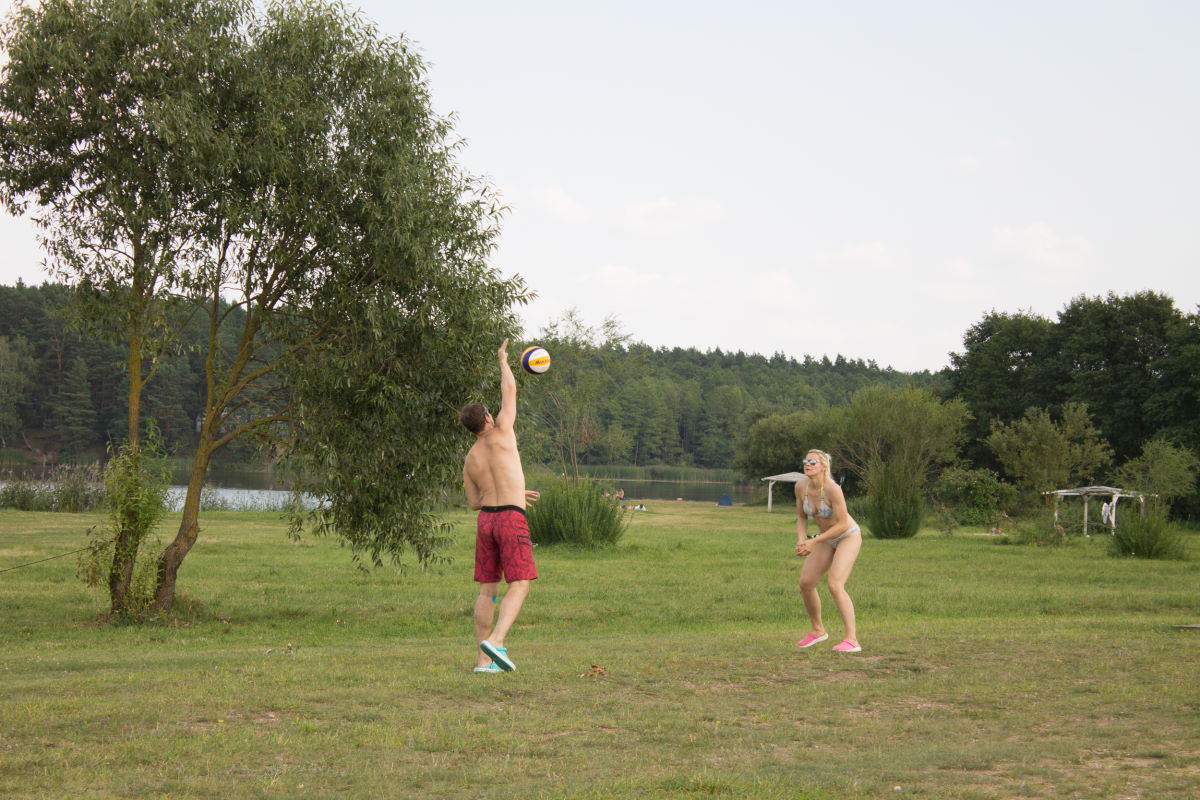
[287, 164]
[894, 439]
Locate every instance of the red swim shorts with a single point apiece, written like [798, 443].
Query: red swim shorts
[502, 545]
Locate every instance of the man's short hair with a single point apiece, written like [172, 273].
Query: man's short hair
[473, 416]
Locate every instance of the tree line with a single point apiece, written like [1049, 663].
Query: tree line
[65, 390]
[1109, 391]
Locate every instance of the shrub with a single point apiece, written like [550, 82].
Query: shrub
[896, 506]
[136, 481]
[576, 511]
[975, 496]
[1147, 535]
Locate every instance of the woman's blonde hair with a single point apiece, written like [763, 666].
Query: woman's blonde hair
[826, 462]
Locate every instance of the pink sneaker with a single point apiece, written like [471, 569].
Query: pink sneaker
[810, 639]
[847, 646]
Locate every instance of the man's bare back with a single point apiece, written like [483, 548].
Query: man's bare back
[492, 474]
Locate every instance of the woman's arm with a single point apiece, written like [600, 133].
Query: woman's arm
[801, 517]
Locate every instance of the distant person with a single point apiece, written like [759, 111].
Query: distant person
[495, 486]
[834, 549]
[620, 495]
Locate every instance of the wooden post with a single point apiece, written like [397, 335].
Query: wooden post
[1085, 515]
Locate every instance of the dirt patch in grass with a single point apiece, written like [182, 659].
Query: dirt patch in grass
[252, 718]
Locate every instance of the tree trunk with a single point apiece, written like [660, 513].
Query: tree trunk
[125, 547]
[172, 556]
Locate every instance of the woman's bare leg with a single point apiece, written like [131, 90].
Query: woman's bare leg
[815, 565]
[839, 572]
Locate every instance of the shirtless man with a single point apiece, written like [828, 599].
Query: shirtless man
[495, 486]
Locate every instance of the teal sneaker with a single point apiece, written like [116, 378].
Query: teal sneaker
[489, 668]
[499, 655]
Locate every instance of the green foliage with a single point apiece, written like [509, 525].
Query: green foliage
[577, 512]
[136, 479]
[973, 496]
[893, 439]
[561, 421]
[16, 376]
[1042, 455]
[1111, 356]
[908, 429]
[776, 444]
[896, 504]
[75, 410]
[1131, 359]
[1163, 469]
[290, 156]
[1006, 366]
[1147, 535]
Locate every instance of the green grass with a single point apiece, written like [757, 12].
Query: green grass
[989, 671]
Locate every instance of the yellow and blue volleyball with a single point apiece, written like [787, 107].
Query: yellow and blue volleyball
[535, 360]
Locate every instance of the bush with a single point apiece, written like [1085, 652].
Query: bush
[576, 511]
[976, 496]
[135, 483]
[1147, 535]
[896, 506]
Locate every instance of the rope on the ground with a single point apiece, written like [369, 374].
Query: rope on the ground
[51, 558]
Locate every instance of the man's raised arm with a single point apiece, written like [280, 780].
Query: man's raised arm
[508, 391]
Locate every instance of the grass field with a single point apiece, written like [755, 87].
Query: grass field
[988, 671]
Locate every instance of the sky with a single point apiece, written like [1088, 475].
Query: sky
[811, 178]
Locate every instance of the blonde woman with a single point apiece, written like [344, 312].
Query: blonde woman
[833, 550]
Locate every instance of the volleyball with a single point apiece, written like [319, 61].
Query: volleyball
[535, 360]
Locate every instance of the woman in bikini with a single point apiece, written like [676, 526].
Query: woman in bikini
[834, 549]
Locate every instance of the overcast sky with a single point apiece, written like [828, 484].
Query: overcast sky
[863, 178]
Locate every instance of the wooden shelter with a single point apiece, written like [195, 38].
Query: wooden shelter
[1109, 514]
